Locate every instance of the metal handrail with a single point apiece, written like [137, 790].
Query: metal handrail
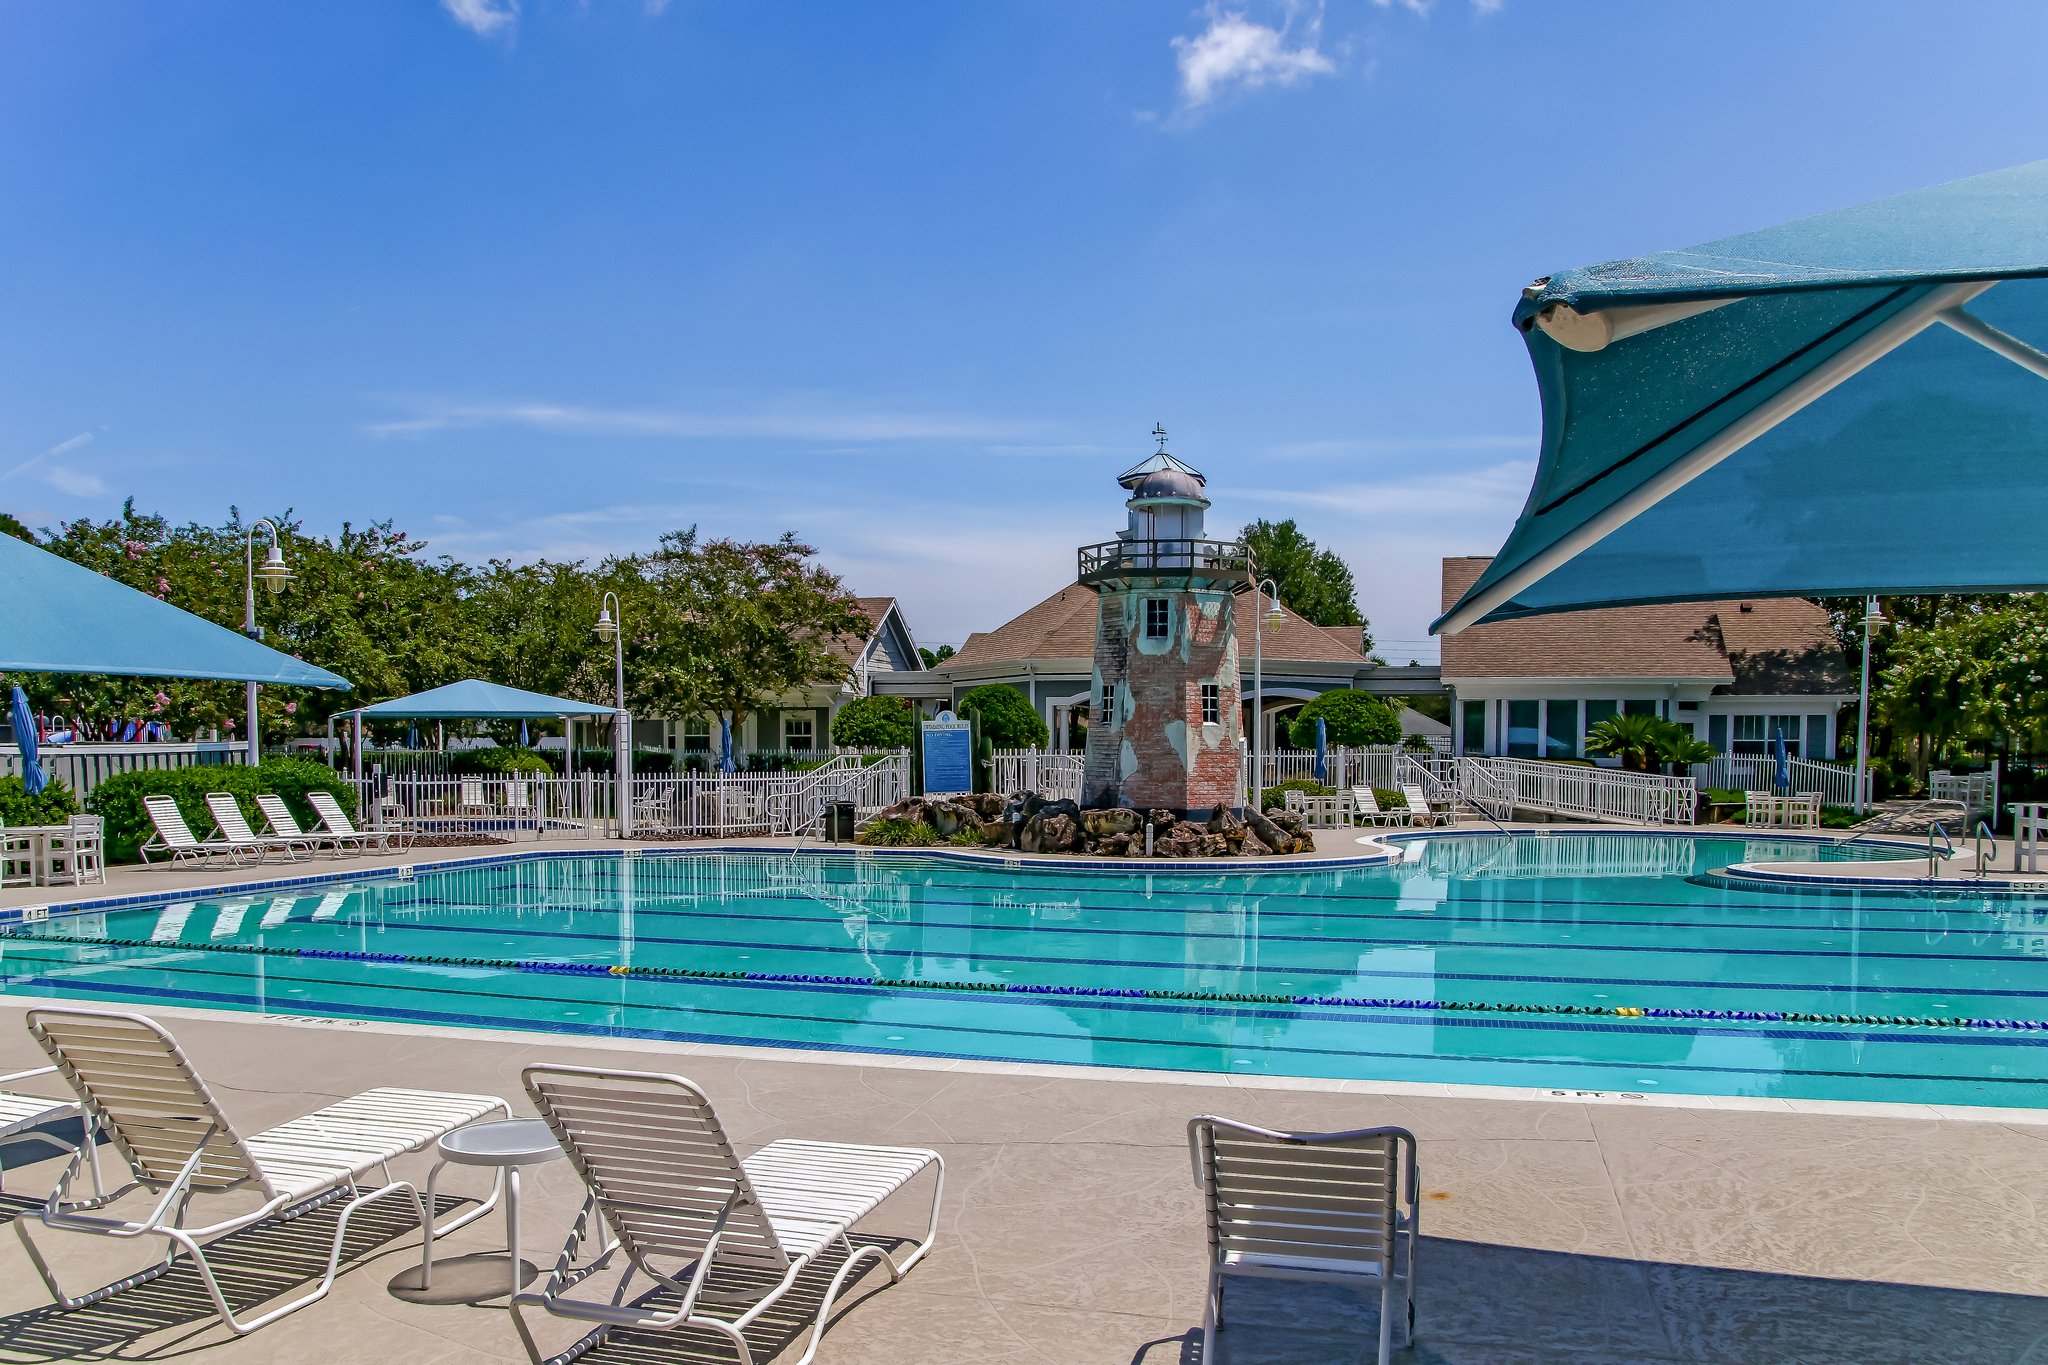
[1985, 835]
[1947, 849]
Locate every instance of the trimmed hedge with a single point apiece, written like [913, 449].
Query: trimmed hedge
[118, 800]
[1349, 718]
[874, 723]
[53, 805]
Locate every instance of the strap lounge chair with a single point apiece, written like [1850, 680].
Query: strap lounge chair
[334, 820]
[1365, 808]
[139, 1088]
[175, 837]
[284, 825]
[1330, 1207]
[664, 1180]
[470, 798]
[21, 1115]
[1420, 811]
[234, 827]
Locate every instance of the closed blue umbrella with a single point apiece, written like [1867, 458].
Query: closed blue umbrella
[522, 735]
[412, 736]
[1322, 750]
[1784, 757]
[725, 763]
[25, 735]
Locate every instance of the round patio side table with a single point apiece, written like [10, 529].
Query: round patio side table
[507, 1144]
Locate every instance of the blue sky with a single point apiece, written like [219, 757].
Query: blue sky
[913, 280]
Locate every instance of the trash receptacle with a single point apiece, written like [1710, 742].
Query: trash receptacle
[839, 820]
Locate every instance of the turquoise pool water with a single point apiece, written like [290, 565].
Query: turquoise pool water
[1587, 920]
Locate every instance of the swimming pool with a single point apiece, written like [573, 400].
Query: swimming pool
[1485, 960]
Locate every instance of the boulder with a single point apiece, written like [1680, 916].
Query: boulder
[1227, 825]
[997, 834]
[1160, 820]
[1112, 845]
[1050, 832]
[1212, 846]
[1253, 846]
[950, 817]
[1101, 824]
[988, 805]
[1268, 830]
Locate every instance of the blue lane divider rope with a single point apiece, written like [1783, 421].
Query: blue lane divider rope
[1027, 988]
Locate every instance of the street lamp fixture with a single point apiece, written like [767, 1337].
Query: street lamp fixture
[1872, 619]
[276, 576]
[1269, 610]
[610, 618]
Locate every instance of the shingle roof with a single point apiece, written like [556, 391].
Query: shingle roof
[848, 647]
[1770, 645]
[1063, 627]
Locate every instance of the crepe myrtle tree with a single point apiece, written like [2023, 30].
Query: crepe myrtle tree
[728, 627]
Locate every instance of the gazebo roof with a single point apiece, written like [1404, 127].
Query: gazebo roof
[475, 699]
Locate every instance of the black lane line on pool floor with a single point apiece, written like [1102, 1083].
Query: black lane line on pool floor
[529, 1025]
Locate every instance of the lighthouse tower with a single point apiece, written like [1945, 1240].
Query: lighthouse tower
[1164, 728]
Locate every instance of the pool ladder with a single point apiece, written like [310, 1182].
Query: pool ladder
[1938, 852]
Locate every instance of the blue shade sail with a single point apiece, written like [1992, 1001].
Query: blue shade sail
[1860, 408]
[474, 699]
[60, 617]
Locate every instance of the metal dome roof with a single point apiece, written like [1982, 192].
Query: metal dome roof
[1169, 485]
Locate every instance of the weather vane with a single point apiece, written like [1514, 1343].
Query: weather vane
[1159, 431]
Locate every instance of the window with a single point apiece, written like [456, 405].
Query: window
[1522, 732]
[1755, 734]
[1816, 738]
[1157, 618]
[697, 735]
[1717, 733]
[1597, 711]
[1561, 729]
[1108, 713]
[1212, 704]
[1637, 707]
[1475, 727]
[798, 732]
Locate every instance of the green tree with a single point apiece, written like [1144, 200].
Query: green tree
[728, 627]
[934, 657]
[1312, 581]
[1348, 718]
[1631, 738]
[11, 526]
[1007, 718]
[1980, 675]
[874, 723]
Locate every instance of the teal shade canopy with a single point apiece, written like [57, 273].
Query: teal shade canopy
[475, 699]
[60, 617]
[1851, 403]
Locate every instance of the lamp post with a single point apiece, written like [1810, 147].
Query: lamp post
[275, 574]
[1259, 682]
[610, 628]
[1872, 619]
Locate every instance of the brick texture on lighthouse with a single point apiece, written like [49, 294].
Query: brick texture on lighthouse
[1156, 751]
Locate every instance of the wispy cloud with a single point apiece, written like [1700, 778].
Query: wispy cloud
[684, 424]
[485, 18]
[79, 483]
[1238, 52]
[1423, 7]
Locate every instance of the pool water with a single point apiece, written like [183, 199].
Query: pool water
[1599, 921]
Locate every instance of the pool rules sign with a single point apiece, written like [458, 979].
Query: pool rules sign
[948, 752]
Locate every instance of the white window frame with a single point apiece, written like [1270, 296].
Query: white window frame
[809, 723]
[1212, 703]
[1108, 712]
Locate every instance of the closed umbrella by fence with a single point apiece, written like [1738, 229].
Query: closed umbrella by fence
[1322, 751]
[32, 776]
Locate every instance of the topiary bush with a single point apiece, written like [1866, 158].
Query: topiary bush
[1351, 718]
[53, 805]
[874, 723]
[1007, 718]
[118, 800]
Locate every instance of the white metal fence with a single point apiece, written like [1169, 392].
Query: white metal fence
[1836, 782]
[729, 804]
[81, 767]
[1592, 793]
[1049, 773]
[514, 807]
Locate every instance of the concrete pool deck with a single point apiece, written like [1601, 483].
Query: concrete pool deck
[1599, 1234]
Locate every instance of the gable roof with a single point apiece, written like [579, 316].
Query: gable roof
[878, 611]
[1063, 627]
[1770, 645]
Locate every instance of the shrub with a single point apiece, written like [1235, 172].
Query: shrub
[53, 805]
[1349, 717]
[965, 838]
[118, 800]
[897, 834]
[499, 759]
[1007, 718]
[874, 723]
[1274, 797]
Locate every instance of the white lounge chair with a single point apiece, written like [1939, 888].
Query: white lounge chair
[284, 825]
[470, 798]
[1330, 1207]
[175, 837]
[21, 1115]
[1420, 811]
[139, 1088]
[1365, 808]
[677, 1201]
[334, 820]
[234, 828]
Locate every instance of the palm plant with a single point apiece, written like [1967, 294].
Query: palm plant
[1630, 738]
[1677, 749]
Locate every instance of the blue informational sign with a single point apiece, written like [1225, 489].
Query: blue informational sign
[948, 756]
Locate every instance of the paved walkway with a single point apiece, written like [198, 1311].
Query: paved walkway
[1596, 1234]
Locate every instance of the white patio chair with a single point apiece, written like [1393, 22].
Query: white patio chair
[334, 820]
[86, 849]
[1330, 1207]
[1420, 811]
[1762, 810]
[678, 1202]
[1294, 801]
[173, 836]
[234, 827]
[139, 1088]
[284, 825]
